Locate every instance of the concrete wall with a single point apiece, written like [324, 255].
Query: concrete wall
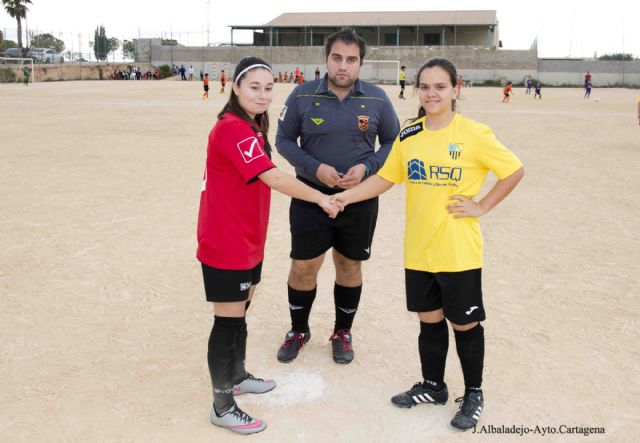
[477, 64]
[603, 73]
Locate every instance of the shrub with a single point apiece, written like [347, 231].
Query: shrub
[7, 75]
[165, 71]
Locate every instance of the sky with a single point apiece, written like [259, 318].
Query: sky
[563, 28]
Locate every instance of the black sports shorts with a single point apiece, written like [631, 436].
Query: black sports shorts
[459, 294]
[313, 233]
[224, 285]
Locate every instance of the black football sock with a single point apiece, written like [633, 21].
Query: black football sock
[300, 303]
[470, 346]
[433, 344]
[346, 301]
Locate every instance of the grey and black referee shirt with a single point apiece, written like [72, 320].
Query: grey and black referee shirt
[337, 134]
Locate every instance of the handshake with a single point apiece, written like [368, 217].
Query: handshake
[333, 204]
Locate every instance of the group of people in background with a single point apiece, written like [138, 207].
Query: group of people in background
[134, 73]
[296, 77]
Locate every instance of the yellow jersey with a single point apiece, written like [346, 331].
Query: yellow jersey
[436, 165]
[402, 76]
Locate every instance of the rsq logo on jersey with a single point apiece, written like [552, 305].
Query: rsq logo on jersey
[250, 149]
[415, 170]
[455, 150]
[363, 122]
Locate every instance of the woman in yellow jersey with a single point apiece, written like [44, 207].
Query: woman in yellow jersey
[443, 158]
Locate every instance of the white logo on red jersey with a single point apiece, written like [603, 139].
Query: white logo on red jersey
[250, 149]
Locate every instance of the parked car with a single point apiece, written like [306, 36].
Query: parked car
[45, 55]
[18, 53]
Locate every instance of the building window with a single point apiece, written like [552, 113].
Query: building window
[390, 38]
[431, 39]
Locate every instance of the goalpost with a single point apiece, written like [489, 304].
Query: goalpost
[16, 65]
[380, 71]
[214, 69]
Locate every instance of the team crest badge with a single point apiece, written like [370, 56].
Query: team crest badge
[363, 122]
[455, 150]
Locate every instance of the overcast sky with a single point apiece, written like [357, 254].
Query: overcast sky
[563, 28]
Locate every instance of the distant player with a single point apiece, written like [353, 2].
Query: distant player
[402, 80]
[317, 73]
[538, 91]
[205, 84]
[587, 90]
[223, 81]
[529, 86]
[301, 78]
[26, 74]
[507, 91]
[587, 78]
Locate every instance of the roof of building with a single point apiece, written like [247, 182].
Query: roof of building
[390, 18]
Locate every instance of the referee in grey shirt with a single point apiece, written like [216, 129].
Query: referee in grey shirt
[337, 120]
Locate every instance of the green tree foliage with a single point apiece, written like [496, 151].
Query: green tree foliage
[47, 41]
[617, 57]
[165, 71]
[129, 48]
[103, 45]
[169, 42]
[6, 44]
[17, 9]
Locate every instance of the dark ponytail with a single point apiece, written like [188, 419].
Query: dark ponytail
[261, 122]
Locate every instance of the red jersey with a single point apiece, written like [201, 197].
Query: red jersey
[234, 203]
[223, 78]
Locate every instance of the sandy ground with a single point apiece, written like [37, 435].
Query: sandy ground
[104, 326]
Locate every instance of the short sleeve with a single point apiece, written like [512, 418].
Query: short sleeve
[245, 150]
[496, 157]
[393, 169]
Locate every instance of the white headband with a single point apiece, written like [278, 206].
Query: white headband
[257, 65]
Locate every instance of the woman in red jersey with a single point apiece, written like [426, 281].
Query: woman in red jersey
[232, 230]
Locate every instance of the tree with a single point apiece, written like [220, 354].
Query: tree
[103, 45]
[6, 44]
[169, 42]
[47, 41]
[129, 48]
[17, 9]
[617, 57]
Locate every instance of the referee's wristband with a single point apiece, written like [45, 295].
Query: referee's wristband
[367, 170]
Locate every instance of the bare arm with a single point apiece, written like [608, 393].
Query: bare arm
[291, 186]
[372, 187]
[466, 207]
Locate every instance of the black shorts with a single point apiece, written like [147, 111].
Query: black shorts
[459, 294]
[224, 285]
[313, 233]
[402, 84]
[206, 88]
